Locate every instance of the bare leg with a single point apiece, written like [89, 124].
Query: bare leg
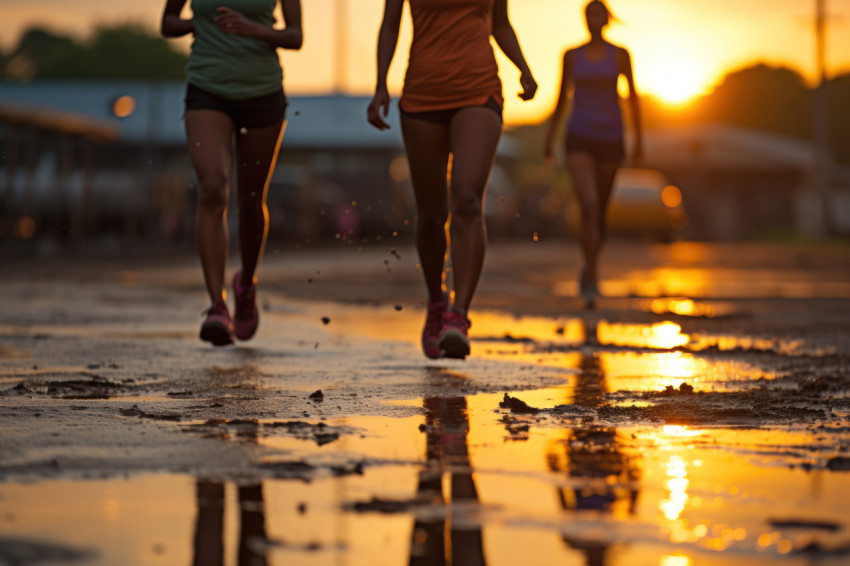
[582, 168]
[256, 155]
[427, 145]
[605, 173]
[209, 134]
[474, 138]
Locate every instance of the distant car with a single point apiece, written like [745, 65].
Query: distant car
[643, 203]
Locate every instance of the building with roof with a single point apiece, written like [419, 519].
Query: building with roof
[741, 183]
[128, 168]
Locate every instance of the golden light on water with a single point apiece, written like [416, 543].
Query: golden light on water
[677, 483]
[664, 335]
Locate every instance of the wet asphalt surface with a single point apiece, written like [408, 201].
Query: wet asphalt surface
[727, 360]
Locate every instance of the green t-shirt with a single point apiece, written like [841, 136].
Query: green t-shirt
[230, 65]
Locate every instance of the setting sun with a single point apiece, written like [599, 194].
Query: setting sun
[674, 81]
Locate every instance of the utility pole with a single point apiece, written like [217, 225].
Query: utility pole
[823, 157]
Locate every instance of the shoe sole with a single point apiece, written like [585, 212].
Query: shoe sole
[454, 345]
[216, 333]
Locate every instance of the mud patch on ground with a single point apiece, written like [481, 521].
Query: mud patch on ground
[762, 407]
[15, 552]
[64, 386]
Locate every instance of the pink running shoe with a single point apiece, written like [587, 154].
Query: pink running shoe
[454, 338]
[433, 326]
[217, 327]
[246, 317]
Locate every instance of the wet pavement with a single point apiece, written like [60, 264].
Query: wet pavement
[697, 414]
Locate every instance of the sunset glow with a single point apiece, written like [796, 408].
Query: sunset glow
[674, 80]
[679, 49]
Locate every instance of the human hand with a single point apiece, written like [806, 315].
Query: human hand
[528, 84]
[380, 105]
[231, 21]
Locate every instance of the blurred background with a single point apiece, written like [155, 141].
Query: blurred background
[746, 107]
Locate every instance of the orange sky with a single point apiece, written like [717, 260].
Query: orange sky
[679, 47]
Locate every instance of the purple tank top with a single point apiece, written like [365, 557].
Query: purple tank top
[596, 103]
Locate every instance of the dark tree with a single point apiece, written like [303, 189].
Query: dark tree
[126, 51]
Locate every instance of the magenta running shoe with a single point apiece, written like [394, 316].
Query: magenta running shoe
[433, 326]
[246, 317]
[217, 326]
[454, 338]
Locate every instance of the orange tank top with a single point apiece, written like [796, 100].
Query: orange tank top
[451, 62]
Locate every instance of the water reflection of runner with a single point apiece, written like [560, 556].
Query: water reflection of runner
[209, 524]
[601, 476]
[234, 98]
[451, 112]
[447, 429]
[594, 141]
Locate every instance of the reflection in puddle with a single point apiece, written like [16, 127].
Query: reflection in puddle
[700, 283]
[458, 485]
[465, 482]
[663, 335]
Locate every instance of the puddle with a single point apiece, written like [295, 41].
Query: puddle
[655, 430]
[455, 485]
[704, 283]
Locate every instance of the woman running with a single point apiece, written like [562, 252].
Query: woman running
[234, 99]
[451, 105]
[594, 143]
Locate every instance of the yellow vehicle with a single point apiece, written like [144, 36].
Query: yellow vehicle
[643, 203]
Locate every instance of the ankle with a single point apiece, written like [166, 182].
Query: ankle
[435, 299]
[459, 311]
[243, 284]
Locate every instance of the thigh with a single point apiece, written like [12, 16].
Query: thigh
[474, 138]
[256, 155]
[427, 146]
[209, 134]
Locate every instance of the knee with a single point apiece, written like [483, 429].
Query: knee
[467, 206]
[212, 191]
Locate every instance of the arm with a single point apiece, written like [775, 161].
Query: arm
[560, 107]
[625, 63]
[290, 37]
[172, 24]
[387, 41]
[503, 33]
